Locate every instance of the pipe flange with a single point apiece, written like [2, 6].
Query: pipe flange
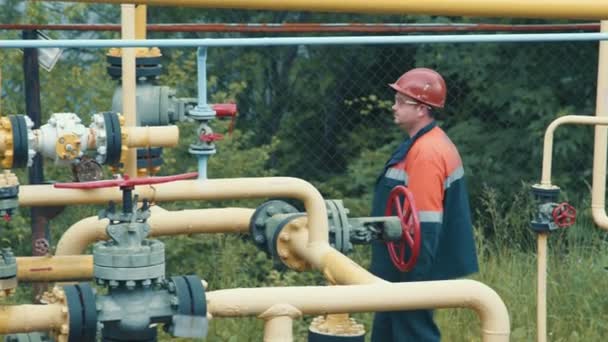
[82, 312]
[108, 138]
[57, 296]
[280, 242]
[31, 139]
[545, 193]
[19, 139]
[259, 219]
[190, 306]
[117, 264]
[8, 272]
[98, 130]
[147, 62]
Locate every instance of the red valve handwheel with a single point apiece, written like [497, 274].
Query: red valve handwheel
[125, 182]
[410, 226]
[564, 215]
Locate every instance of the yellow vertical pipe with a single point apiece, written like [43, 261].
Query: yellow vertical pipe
[541, 288]
[141, 19]
[598, 192]
[278, 325]
[129, 109]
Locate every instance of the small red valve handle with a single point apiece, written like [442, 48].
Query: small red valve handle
[125, 182]
[225, 110]
[410, 226]
[564, 215]
[211, 137]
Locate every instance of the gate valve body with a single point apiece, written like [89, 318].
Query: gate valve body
[132, 266]
[550, 215]
[410, 226]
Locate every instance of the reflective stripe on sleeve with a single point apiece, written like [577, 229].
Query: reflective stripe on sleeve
[396, 174]
[454, 176]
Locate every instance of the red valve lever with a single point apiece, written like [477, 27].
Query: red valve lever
[125, 182]
[410, 226]
[223, 110]
[211, 137]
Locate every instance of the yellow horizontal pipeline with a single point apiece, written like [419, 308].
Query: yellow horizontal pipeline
[317, 300]
[54, 268]
[75, 239]
[549, 9]
[211, 189]
[30, 318]
[156, 136]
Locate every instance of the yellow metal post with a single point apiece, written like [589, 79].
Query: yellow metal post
[141, 18]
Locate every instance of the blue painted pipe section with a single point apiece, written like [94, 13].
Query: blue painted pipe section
[202, 166]
[201, 54]
[227, 42]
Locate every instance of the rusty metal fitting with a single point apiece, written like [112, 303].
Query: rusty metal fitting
[6, 130]
[336, 325]
[57, 296]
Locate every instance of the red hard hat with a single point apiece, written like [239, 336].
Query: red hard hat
[424, 85]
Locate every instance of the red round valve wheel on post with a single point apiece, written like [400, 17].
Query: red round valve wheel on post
[410, 228]
[564, 215]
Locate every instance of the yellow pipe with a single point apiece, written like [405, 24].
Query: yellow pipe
[75, 239]
[541, 288]
[129, 109]
[598, 193]
[54, 268]
[549, 9]
[29, 318]
[141, 18]
[548, 141]
[157, 136]
[210, 189]
[279, 323]
[335, 266]
[315, 300]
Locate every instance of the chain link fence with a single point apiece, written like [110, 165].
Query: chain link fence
[329, 107]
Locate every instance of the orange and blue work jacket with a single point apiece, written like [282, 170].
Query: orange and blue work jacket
[430, 166]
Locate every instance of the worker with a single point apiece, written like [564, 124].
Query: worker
[429, 165]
